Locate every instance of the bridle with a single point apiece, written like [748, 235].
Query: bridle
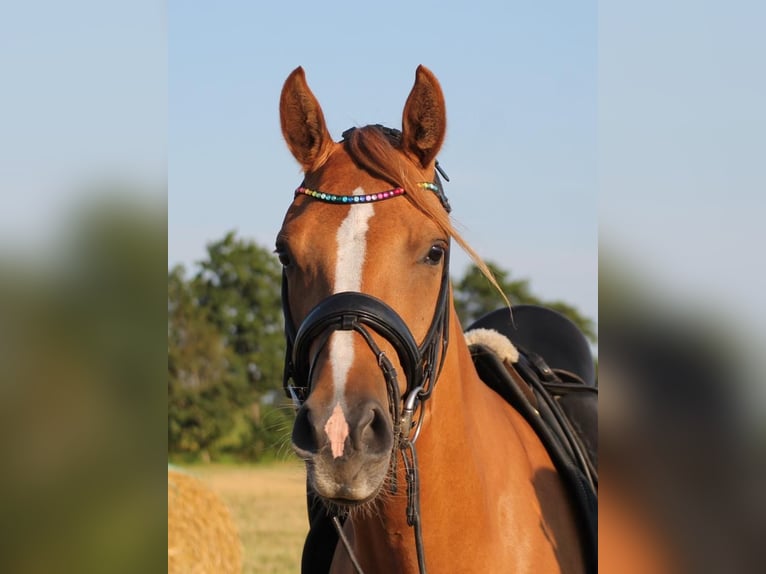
[421, 363]
[353, 311]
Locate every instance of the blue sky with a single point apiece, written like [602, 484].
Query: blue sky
[521, 89]
[682, 153]
[646, 119]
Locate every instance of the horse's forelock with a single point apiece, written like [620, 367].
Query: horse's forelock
[377, 154]
[381, 156]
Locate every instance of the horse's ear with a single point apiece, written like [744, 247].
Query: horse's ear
[303, 125]
[424, 121]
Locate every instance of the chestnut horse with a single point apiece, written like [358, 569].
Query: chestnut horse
[428, 467]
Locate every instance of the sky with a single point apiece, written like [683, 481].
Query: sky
[521, 92]
[682, 154]
[83, 101]
[641, 126]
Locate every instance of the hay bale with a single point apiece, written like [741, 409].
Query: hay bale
[202, 538]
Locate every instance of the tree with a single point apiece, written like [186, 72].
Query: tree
[239, 286]
[197, 354]
[225, 351]
[475, 296]
[205, 383]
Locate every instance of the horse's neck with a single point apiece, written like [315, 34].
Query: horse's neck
[481, 472]
[451, 467]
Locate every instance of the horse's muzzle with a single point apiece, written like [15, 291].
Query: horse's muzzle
[347, 450]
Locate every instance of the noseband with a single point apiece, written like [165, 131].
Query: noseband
[361, 313]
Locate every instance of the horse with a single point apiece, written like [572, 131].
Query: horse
[417, 463]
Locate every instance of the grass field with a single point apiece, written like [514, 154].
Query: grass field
[268, 504]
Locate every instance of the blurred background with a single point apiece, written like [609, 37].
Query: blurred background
[83, 220]
[143, 179]
[681, 277]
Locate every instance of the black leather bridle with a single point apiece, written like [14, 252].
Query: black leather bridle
[421, 365]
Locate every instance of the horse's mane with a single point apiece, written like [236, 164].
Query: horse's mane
[380, 154]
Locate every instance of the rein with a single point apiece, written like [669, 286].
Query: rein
[422, 363]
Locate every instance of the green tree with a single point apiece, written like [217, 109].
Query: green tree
[225, 351]
[239, 286]
[205, 385]
[475, 296]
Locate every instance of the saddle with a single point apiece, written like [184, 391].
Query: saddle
[541, 364]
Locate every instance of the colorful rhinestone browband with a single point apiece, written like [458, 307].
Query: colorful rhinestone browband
[367, 198]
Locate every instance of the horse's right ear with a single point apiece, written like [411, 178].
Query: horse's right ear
[303, 125]
[424, 121]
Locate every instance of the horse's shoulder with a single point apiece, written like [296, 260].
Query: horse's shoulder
[558, 399]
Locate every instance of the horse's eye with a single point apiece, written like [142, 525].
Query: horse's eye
[435, 255]
[284, 257]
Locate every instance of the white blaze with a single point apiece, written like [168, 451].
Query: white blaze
[336, 429]
[352, 245]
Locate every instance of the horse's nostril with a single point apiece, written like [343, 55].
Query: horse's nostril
[367, 429]
[375, 431]
[378, 424]
[304, 435]
[366, 420]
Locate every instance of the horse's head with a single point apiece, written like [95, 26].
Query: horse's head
[364, 247]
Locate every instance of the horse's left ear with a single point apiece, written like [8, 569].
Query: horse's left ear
[424, 121]
[303, 123]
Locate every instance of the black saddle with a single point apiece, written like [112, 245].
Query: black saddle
[546, 333]
[553, 385]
